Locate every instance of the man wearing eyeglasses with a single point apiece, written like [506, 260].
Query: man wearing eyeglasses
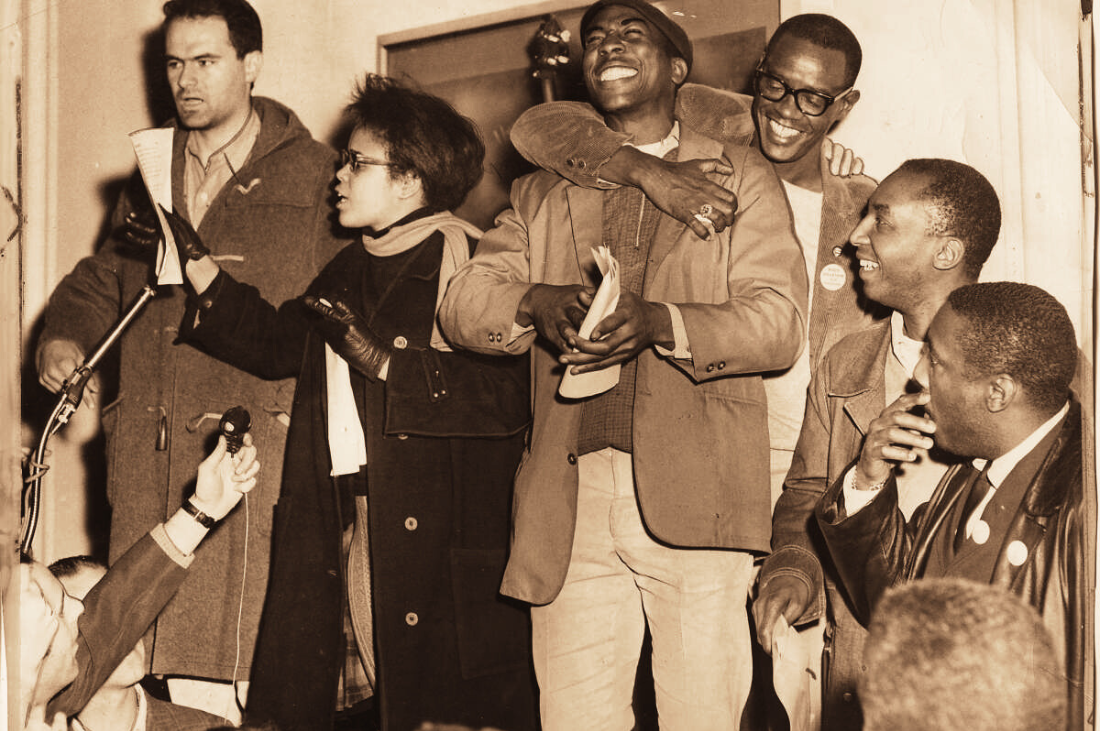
[803, 88]
[247, 174]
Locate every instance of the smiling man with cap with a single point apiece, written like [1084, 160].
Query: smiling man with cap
[642, 505]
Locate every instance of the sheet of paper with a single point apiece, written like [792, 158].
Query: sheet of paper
[603, 304]
[153, 148]
[796, 662]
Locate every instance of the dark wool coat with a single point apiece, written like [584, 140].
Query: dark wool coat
[271, 226]
[444, 434]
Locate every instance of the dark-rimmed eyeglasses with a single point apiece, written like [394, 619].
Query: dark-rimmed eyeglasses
[358, 162]
[810, 102]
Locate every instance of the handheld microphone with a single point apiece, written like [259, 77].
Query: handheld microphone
[234, 425]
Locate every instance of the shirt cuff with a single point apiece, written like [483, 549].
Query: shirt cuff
[518, 331]
[855, 500]
[681, 347]
[161, 538]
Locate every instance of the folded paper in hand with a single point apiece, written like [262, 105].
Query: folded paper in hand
[603, 304]
[153, 148]
[796, 660]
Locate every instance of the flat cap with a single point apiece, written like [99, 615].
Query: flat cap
[672, 31]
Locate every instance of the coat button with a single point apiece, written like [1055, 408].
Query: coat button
[721, 364]
[1016, 553]
[572, 458]
[571, 162]
[710, 368]
[410, 523]
[411, 619]
[402, 437]
[400, 342]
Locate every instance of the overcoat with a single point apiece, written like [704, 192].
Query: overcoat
[444, 434]
[700, 434]
[270, 225]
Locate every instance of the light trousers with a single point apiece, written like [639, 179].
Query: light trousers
[586, 643]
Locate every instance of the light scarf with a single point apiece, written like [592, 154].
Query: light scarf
[347, 444]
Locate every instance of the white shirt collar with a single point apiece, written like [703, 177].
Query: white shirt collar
[906, 349]
[662, 147]
[1004, 464]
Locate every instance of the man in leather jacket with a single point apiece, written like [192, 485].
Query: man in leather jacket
[996, 377]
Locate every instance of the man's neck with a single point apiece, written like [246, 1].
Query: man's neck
[644, 127]
[111, 709]
[209, 141]
[805, 172]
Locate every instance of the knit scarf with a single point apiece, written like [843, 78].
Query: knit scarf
[347, 445]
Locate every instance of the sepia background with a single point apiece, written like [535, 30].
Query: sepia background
[1005, 85]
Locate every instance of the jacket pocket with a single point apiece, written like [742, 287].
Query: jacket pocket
[494, 632]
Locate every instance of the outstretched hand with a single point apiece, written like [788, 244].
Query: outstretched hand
[349, 335]
[224, 478]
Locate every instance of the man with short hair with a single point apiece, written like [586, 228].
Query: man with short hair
[644, 504]
[121, 704]
[249, 177]
[929, 228]
[996, 390]
[803, 88]
[69, 647]
[956, 655]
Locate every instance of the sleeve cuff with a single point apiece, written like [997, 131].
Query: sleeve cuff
[856, 500]
[161, 538]
[681, 347]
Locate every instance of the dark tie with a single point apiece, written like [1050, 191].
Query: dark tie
[978, 490]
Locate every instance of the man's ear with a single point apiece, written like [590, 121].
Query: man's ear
[1001, 391]
[846, 105]
[679, 70]
[253, 64]
[949, 253]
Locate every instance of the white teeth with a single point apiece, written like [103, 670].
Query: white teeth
[868, 266]
[781, 131]
[617, 72]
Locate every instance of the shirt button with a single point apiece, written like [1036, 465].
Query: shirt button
[410, 523]
[411, 619]
[572, 458]
[847, 697]
[400, 342]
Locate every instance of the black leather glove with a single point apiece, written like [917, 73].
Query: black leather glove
[350, 336]
[188, 243]
[141, 231]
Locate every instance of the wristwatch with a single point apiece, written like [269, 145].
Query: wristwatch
[203, 519]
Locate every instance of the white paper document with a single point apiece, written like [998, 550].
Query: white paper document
[153, 148]
[796, 661]
[603, 304]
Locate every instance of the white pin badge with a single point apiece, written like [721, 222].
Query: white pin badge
[980, 534]
[1016, 553]
[832, 277]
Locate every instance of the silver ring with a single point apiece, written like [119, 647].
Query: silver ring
[705, 210]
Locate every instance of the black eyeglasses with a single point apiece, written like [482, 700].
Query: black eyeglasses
[358, 162]
[809, 102]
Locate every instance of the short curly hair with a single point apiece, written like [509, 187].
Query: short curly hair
[422, 135]
[826, 32]
[1021, 330]
[964, 205]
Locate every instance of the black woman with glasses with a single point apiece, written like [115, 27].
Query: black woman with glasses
[804, 86]
[394, 513]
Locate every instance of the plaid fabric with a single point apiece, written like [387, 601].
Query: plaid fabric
[357, 674]
[629, 225]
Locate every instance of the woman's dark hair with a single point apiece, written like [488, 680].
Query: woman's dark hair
[422, 135]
